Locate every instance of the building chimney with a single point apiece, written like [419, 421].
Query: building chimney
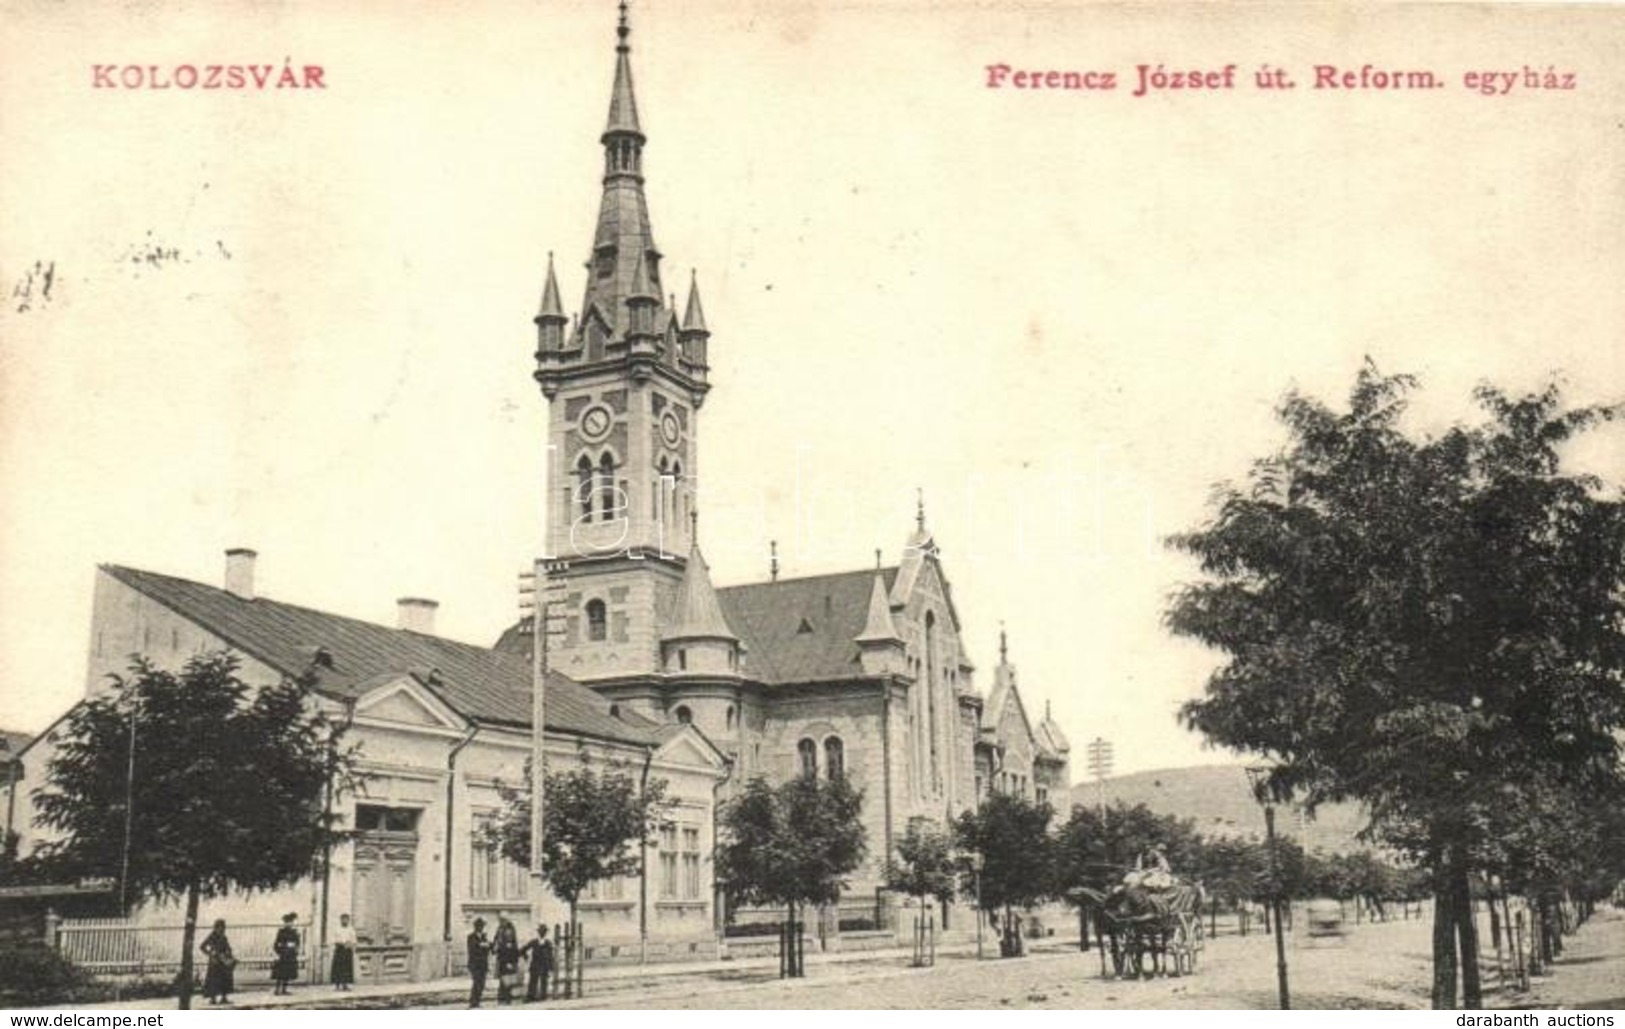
[240, 572]
[417, 614]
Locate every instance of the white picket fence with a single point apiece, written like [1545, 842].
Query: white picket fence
[113, 946]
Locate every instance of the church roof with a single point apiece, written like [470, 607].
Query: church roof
[623, 104]
[551, 306]
[878, 627]
[481, 684]
[1050, 735]
[698, 613]
[694, 319]
[802, 630]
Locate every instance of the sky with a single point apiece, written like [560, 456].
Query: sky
[299, 320]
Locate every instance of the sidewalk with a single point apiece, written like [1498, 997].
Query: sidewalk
[600, 983]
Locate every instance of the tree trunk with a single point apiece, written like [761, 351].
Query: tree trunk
[188, 941]
[577, 953]
[1444, 938]
[1472, 993]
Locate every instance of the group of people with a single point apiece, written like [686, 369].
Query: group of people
[504, 949]
[220, 972]
[1151, 871]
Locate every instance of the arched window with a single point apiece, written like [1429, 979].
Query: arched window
[584, 486]
[684, 716]
[597, 621]
[834, 758]
[606, 488]
[732, 718]
[676, 484]
[807, 750]
[614, 710]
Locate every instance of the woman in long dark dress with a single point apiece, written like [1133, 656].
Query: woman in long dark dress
[505, 945]
[343, 976]
[217, 976]
[286, 948]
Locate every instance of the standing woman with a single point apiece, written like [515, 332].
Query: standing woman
[217, 976]
[286, 948]
[343, 975]
[505, 945]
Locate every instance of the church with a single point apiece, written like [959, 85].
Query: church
[863, 674]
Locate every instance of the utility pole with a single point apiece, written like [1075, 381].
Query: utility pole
[539, 590]
[1100, 766]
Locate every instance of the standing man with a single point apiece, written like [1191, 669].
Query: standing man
[539, 952]
[479, 957]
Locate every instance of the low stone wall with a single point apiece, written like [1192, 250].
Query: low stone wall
[849, 943]
[608, 952]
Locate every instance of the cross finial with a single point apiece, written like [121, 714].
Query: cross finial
[1004, 646]
[694, 523]
[919, 508]
[623, 29]
[877, 559]
[773, 565]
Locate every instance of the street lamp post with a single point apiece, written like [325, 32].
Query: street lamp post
[1257, 777]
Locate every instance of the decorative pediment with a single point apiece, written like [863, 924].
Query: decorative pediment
[402, 700]
[690, 747]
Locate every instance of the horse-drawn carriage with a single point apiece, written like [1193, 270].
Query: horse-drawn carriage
[1148, 931]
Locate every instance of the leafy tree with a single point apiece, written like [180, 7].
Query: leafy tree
[228, 791]
[1232, 868]
[924, 863]
[1428, 625]
[1094, 849]
[595, 825]
[791, 845]
[1010, 835]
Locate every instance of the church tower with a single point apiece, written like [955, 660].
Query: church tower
[625, 379]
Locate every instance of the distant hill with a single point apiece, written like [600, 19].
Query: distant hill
[1221, 803]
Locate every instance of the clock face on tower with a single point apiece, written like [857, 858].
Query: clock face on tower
[595, 423]
[670, 431]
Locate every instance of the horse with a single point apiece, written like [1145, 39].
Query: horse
[1146, 924]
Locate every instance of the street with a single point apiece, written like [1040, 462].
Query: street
[1375, 966]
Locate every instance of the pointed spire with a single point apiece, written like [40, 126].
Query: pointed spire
[623, 104]
[551, 306]
[694, 318]
[698, 612]
[879, 627]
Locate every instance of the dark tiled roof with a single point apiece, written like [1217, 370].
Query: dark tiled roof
[802, 630]
[768, 618]
[480, 684]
